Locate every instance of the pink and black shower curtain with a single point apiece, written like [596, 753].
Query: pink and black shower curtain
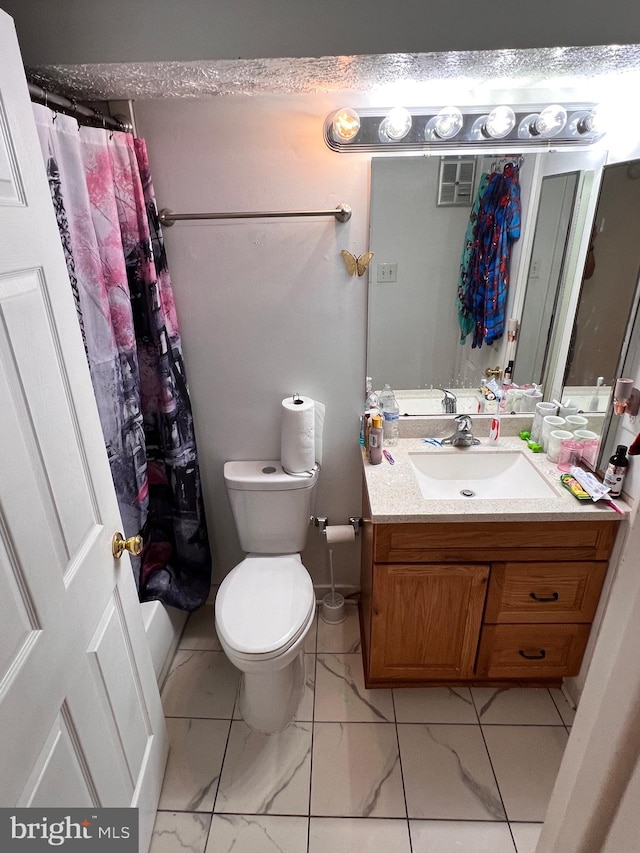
[107, 217]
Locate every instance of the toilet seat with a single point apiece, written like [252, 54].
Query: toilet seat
[263, 605]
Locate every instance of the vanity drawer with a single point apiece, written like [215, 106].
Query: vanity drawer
[544, 592]
[531, 651]
[438, 542]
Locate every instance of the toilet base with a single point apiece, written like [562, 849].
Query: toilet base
[269, 701]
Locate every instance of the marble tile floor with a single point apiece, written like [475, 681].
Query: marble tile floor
[432, 770]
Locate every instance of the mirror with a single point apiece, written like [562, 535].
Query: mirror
[606, 321]
[418, 224]
[540, 319]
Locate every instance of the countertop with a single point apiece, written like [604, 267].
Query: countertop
[395, 496]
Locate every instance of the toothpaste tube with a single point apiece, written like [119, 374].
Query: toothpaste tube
[574, 487]
[589, 483]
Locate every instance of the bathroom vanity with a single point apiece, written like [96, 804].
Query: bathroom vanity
[496, 591]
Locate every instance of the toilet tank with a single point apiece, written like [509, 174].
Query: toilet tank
[271, 508]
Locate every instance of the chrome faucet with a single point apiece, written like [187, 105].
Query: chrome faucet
[449, 402]
[463, 436]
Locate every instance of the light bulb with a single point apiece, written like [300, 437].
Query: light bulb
[550, 121]
[500, 122]
[588, 121]
[345, 125]
[395, 125]
[445, 125]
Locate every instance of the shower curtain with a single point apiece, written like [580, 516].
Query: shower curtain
[107, 217]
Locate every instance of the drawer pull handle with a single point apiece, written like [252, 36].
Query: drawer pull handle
[553, 597]
[540, 656]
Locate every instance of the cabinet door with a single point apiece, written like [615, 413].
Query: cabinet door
[426, 621]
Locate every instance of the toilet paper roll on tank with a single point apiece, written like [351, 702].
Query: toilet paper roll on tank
[301, 434]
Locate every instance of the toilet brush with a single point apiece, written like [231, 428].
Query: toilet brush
[333, 609]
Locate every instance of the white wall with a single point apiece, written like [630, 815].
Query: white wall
[69, 31]
[266, 307]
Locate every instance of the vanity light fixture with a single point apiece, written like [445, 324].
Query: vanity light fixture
[345, 125]
[500, 122]
[582, 122]
[547, 123]
[447, 124]
[440, 128]
[395, 125]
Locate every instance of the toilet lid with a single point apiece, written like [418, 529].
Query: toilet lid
[264, 603]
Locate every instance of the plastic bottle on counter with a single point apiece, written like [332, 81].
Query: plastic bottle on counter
[390, 415]
[616, 471]
[375, 440]
[371, 408]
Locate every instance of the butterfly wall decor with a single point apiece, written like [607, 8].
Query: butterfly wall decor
[356, 264]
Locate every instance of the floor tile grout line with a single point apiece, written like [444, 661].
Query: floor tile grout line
[555, 705]
[559, 711]
[313, 731]
[504, 808]
[224, 754]
[404, 788]
[386, 722]
[484, 740]
[351, 817]
[475, 708]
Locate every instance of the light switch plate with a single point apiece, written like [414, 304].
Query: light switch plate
[387, 273]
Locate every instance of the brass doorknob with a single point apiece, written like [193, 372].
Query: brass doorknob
[495, 372]
[119, 544]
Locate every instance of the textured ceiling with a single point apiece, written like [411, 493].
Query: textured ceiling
[368, 74]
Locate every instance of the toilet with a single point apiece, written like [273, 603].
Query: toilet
[266, 604]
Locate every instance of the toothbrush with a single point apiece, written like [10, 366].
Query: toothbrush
[593, 405]
[613, 506]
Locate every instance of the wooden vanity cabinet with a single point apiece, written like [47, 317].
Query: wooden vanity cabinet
[479, 601]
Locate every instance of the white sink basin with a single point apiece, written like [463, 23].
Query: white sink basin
[465, 474]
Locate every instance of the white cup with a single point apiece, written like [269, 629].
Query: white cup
[529, 400]
[575, 422]
[513, 400]
[542, 410]
[584, 434]
[549, 423]
[565, 411]
[556, 437]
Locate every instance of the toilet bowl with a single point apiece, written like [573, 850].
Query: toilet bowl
[264, 610]
[265, 606]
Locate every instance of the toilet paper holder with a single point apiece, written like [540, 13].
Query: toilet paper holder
[321, 522]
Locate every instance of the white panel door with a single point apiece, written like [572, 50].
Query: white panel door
[81, 720]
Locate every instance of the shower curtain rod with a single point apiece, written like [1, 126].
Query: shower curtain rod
[167, 217]
[78, 111]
